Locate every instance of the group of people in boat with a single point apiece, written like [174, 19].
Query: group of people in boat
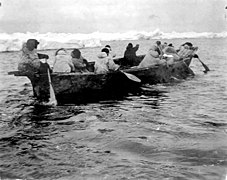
[158, 53]
[69, 63]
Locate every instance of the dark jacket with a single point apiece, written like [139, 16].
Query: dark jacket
[130, 55]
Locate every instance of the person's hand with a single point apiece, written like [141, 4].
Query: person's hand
[195, 56]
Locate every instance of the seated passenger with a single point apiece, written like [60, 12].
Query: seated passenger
[170, 55]
[159, 45]
[111, 53]
[187, 50]
[80, 64]
[151, 58]
[63, 62]
[29, 61]
[130, 57]
[164, 45]
[105, 63]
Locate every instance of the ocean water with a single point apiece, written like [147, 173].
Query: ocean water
[167, 131]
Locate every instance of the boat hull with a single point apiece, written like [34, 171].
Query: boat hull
[163, 73]
[88, 87]
[79, 88]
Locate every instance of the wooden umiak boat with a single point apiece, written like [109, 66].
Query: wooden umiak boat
[77, 87]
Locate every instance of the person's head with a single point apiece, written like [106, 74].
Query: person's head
[106, 50]
[169, 50]
[108, 47]
[164, 45]
[154, 48]
[32, 44]
[154, 51]
[189, 44]
[186, 46]
[129, 46]
[158, 43]
[170, 45]
[61, 51]
[76, 53]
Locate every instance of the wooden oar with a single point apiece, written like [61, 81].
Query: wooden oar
[52, 99]
[131, 77]
[204, 65]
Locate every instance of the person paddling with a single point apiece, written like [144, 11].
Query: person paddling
[29, 61]
[187, 50]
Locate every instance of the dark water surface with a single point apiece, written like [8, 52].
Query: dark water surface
[171, 131]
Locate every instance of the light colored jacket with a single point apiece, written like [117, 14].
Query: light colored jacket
[105, 63]
[171, 55]
[28, 57]
[185, 51]
[63, 62]
[151, 58]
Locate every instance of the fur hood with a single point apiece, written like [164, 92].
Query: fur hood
[61, 52]
[102, 55]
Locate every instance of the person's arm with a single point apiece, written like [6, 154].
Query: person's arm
[85, 62]
[111, 65]
[136, 47]
[72, 66]
[79, 64]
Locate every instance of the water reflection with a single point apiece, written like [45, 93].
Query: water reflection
[28, 141]
[149, 96]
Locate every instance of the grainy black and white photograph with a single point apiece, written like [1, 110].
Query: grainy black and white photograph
[113, 90]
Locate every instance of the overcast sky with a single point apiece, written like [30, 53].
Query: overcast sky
[86, 16]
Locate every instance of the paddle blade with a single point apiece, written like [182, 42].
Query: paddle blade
[205, 66]
[52, 99]
[132, 77]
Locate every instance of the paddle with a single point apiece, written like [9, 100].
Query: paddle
[131, 77]
[204, 65]
[52, 99]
